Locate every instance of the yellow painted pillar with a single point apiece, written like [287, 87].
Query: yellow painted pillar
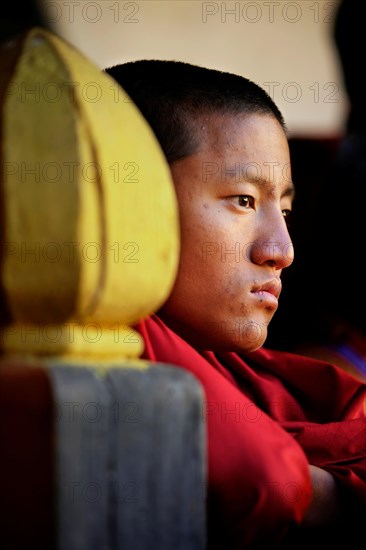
[89, 215]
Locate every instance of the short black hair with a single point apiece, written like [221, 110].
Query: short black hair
[173, 95]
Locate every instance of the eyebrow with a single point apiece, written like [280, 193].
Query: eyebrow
[289, 190]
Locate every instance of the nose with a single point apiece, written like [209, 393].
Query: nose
[273, 245]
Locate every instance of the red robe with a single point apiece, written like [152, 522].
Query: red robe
[269, 414]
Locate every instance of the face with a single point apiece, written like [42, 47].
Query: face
[234, 195]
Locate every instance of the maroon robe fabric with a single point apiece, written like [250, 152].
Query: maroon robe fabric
[268, 416]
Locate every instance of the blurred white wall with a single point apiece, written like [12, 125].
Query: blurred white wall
[285, 46]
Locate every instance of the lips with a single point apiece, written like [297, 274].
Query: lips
[273, 287]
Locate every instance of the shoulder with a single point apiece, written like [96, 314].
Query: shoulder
[315, 379]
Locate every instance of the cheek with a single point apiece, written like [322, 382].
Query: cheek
[212, 262]
[199, 236]
[207, 222]
[207, 277]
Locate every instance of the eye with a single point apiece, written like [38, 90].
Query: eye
[245, 201]
[287, 214]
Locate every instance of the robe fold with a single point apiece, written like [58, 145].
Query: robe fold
[268, 414]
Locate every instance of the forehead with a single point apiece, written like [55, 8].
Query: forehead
[252, 147]
[219, 129]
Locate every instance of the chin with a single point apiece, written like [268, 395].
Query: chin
[245, 348]
[232, 345]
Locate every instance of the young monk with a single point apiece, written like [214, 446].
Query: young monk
[286, 434]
